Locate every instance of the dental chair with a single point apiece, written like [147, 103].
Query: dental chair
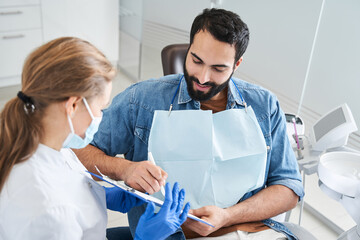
[172, 58]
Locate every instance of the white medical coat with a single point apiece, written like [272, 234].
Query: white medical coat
[50, 197]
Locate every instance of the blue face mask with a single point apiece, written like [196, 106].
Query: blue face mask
[75, 141]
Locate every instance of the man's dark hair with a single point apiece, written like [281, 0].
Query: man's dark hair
[225, 26]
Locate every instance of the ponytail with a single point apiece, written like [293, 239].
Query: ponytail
[20, 133]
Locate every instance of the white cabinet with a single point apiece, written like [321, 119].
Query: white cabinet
[26, 24]
[11, 3]
[20, 32]
[19, 44]
[16, 18]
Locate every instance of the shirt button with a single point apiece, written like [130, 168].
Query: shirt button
[271, 224]
[268, 147]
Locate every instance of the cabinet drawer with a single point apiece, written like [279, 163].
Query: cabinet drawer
[14, 47]
[20, 18]
[11, 3]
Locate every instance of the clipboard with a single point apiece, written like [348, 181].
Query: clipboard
[143, 196]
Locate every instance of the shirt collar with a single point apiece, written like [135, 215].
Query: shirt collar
[50, 155]
[233, 94]
[184, 96]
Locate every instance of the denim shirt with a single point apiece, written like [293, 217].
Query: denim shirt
[126, 124]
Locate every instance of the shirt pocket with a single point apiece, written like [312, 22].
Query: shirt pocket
[142, 133]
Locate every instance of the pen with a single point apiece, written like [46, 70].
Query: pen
[151, 159]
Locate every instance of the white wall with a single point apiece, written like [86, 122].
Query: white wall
[131, 13]
[177, 14]
[280, 41]
[335, 74]
[281, 36]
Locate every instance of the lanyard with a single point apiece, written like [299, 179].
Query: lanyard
[177, 90]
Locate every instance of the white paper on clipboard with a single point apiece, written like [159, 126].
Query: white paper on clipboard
[143, 196]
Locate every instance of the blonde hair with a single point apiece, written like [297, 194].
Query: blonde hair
[55, 71]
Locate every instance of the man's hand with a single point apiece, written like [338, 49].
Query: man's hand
[144, 176]
[215, 215]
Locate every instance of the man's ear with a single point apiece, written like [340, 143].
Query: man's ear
[71, 105]
[237, 64]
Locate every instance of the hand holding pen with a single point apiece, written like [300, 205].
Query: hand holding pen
[151, 159]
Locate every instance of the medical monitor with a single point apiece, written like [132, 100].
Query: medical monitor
[333, 129]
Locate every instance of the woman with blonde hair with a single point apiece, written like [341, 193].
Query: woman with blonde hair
[45, 191]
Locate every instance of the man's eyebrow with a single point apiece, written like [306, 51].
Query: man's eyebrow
[220, 65]
[197, 57]
[215, 65]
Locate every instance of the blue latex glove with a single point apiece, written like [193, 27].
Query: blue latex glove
[119, 200]
[167, 220]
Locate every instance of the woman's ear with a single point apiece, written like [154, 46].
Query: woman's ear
[71, 105]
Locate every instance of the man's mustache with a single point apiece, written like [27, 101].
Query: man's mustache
[192, 78]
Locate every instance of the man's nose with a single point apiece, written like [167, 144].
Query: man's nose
[204, 76]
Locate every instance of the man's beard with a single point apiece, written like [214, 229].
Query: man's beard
[199, 95]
